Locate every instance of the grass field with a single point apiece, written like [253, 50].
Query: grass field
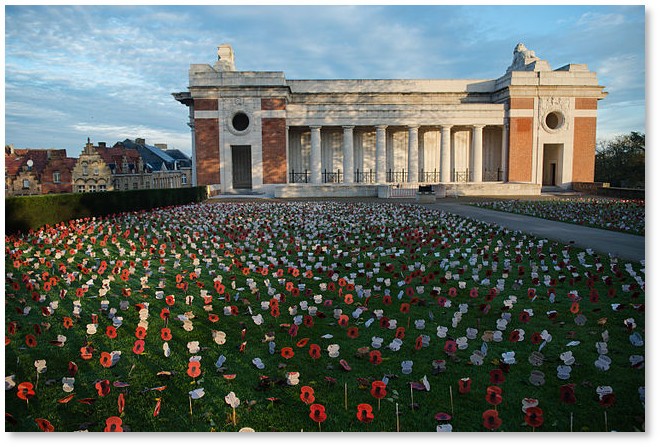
[623, 215]
[246, 291]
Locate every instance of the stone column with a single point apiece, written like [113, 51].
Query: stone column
[381, 154]
[445, 154]
[505, 152]
[349, 173]
[477, 153]
[413, 154]
[315, 155]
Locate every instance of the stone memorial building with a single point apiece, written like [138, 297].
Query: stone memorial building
[257, 130]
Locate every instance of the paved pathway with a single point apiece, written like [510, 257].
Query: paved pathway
[625, 246]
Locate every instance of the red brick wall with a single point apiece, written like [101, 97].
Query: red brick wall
[207, 141]
[273, 104]
[586, 103]
[64, 167]
[520, 149]
[584, 149]
[521, 103]
[206, 104]
[273, 140]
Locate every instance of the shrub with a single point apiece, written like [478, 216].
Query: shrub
[30, 212]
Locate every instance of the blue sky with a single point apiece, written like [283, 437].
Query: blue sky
[73, 72]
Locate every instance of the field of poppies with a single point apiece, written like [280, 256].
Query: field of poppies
[624, 215]
[317, 316]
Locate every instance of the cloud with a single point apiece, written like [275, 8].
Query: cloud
[592, 20]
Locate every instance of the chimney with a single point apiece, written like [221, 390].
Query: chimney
[139, 141]
[102, 144]
[161, 145]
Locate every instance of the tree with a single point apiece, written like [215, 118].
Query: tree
[620, 161]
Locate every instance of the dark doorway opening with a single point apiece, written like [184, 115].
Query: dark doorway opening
[241, 162]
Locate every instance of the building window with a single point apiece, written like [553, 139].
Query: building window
[57, 177]
[92, 188]
[240, 121]
[26, 184]
[84, 169]
[96, 171]
[101, 187]
[184, 179]
[554, 120]
[81, 188]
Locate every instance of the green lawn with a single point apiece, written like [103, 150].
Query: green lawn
[442, 278]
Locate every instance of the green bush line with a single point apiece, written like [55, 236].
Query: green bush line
[31, 212]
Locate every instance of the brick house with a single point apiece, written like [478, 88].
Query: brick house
[37, 171]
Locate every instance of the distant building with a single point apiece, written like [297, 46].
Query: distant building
[37, 171]
[533, 126]
[128, 165]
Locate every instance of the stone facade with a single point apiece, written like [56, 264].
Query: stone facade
[531, 125]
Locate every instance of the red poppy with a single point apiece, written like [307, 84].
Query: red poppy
[452, 292]
[106, 359]
[113, 424]
[524, 317]
[37, 329]
[138, 347]
[384, 322]
[169, 299]
[111, 332]
[514, 336]
[344, 364]
[536, 338]
[314, 351]
[166, 334]
[567, 393]
[317, 413]
[450, 347]
[353, 332]
[404, 308]
[275, 312]
[496, 376]
[387, 300]
[44, 425]
[343, 320]
[194, 369]
[13, 326]
[121, 402]
[86, 352]
[102, 387]
[293, 330]
[308, 321]
[474, 292]
[157, 408]
[140, 332]
[418, 343]
[72, 369]
[25, 390]
[165, 313]
[348, 298]
[307, 394]
[494, 395]
[66, 399]
[365, 413]
[31, 340]
[491, 419]
[400, 332]
[534, 417]
[575, 307]
[287, 352]
[378, 389]
[375, 357]
[213, 318]
[607, 400]
[302, 342]
[464, 385]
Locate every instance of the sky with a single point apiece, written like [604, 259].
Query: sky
[108, 72]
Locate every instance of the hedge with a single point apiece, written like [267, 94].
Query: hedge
[31, 212]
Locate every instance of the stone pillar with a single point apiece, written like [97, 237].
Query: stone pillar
[445, 154]
[505, 152]
[381, 154]
[477, 153]
[413, 152]
[349, 171]
[315, 155]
